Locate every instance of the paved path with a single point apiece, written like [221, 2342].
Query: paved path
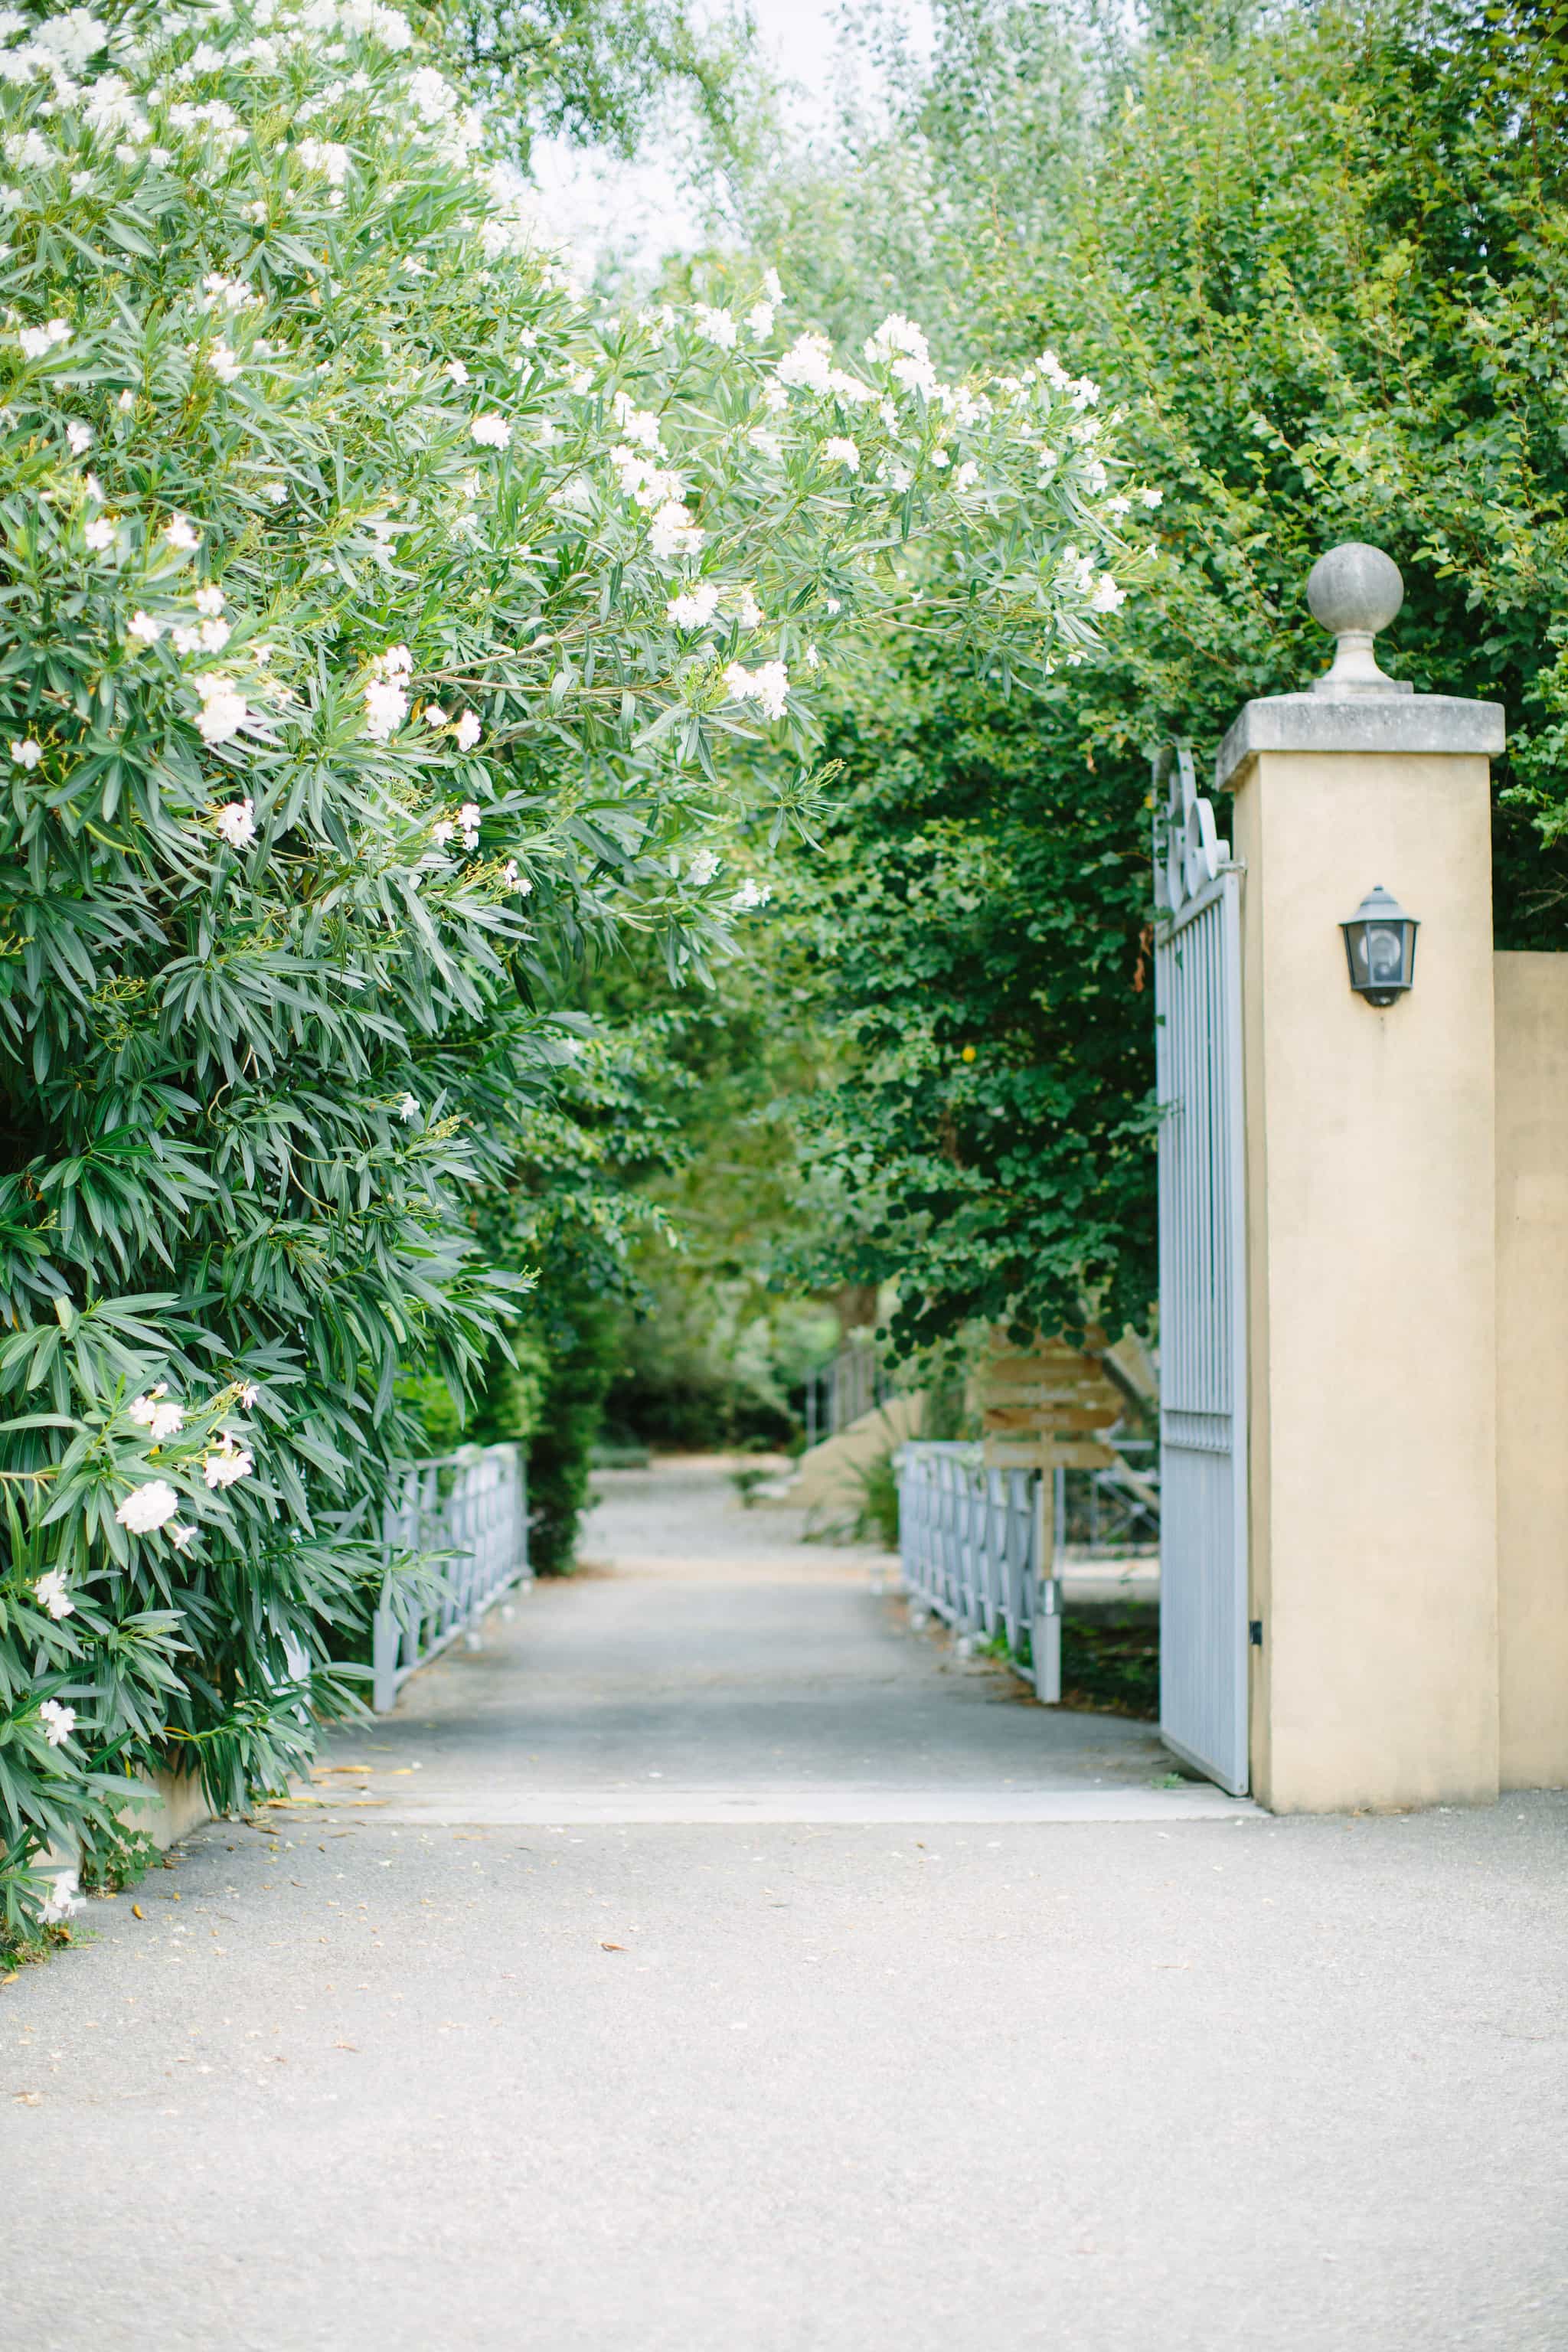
[418, 2068]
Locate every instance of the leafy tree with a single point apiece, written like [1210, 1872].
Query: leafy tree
[1315, 257]
[598, 76]
[378, 611]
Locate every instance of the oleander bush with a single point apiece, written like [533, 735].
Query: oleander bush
[382, 618]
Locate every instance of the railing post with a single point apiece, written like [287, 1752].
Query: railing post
[1046, 1637]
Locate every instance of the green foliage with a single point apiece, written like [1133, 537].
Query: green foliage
[598, 76]
[582, 1357]
[374, 612]
[980, 938]
[1110, 1660]
[877, 1503]
[1315, 257]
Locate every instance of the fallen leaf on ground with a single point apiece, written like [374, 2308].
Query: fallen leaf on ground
[346, 2045]
[612, 1947]
[137, 1912]
[29, 2098]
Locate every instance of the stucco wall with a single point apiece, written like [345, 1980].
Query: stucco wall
[1371, 1250]
[1532, 1367]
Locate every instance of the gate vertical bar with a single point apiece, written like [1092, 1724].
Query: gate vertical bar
[1203, 1285]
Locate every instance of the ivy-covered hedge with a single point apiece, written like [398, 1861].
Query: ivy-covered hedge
[375, 610]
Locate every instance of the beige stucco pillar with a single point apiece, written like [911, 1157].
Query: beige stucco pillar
[1531, 994]
[1371, 1253]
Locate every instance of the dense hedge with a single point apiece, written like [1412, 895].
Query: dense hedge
[377, 608]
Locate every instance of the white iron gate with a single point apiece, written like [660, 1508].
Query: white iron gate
[1203, 1282]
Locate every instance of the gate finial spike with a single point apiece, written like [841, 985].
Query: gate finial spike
[1354, 591]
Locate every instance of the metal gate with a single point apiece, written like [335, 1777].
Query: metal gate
[1203, 1282]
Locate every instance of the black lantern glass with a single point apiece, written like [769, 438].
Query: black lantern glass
[1380, 948]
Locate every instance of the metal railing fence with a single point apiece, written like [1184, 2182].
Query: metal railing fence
[473, 1504]
[852, 1384]
[974, 1549]
[985, 1549]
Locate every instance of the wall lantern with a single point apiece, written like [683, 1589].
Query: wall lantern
[1380, 948]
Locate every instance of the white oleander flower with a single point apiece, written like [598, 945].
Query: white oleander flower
[209, 600]
[835, 604]
[229, 1464]
[750, 894]
[766, 686]
[148, 1506]
[408, 1109]
[385, 709]
[491, 432]
[703, 866]
[773, 288]
[747, 611]
[1151, 499]
[100, 532]
[775, 399]
[185, 640]
[639, 425]
[760, 321]
[58, 1722]
[181, 1538]
[37, 342]
[675, 531]
[813, 658]
[237, 823]
[715, 326]
[694, 607]
[180, 535]
[808, 363]
[468, 730]
[65, 1898]
[51, 1595]
[27, 753]
[156, 1411]
[79, 436]
[248, 1391]
[441, 832]
[641, 479]
[327, 156]
[1106, 596]
[277, 492]
[766, 444]
[223, 712]
[434, 716]
[469, 818]
[215, 636]
[967, 476]
[125, 402]
[223, 362]
[840, 452]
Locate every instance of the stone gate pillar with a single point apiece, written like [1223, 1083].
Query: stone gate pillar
[1371, 1229]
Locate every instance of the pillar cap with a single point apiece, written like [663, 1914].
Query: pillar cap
[1363, 723]
[1353, 592]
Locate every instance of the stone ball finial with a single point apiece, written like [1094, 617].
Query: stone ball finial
[1353, 592]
